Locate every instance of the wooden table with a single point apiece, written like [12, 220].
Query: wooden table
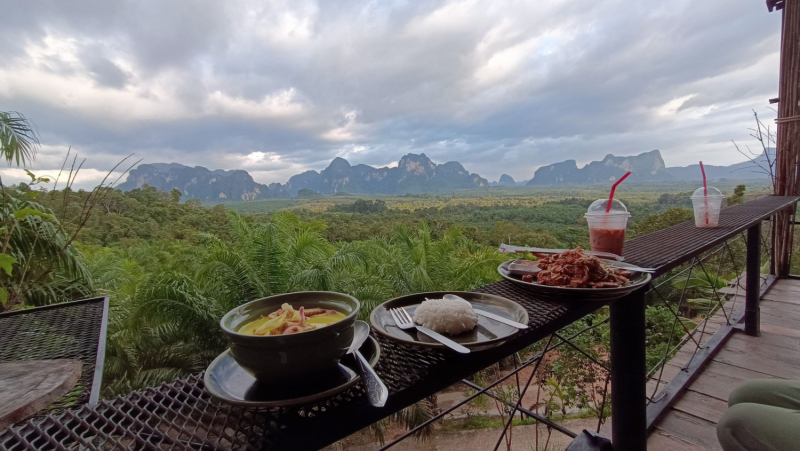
[29, 386]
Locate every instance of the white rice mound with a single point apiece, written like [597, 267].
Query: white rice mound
[448, 316]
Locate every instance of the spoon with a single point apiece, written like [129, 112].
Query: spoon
[376, 389]
[497, 318]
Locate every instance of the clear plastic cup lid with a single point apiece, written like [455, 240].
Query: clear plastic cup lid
[712, 192]
[598, 208]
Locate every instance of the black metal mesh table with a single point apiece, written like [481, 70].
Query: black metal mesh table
[72, 330]
[181, 415]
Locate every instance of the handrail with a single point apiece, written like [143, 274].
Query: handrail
[687, 241]
[665, 250]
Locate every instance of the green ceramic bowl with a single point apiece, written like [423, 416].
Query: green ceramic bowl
[290, 358]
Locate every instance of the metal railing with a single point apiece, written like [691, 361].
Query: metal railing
[731, 276]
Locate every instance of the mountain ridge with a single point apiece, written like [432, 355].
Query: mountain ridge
[644, 167]
[414, 174]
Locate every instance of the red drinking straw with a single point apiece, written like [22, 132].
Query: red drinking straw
[614, 188]
[705, 190]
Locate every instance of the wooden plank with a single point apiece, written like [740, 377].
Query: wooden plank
[702, 406]
[765, 365]
[782, 305]
[770, 314]
[780, 308]
[662, 441]
[780, 330]
[689, 424]
[775, 346]
[779, 293]
[781, 298]
[791, 283]
[783, 288]
[719, 379]
[691, 429]
[27, 387]
[684, 379]
[767, 340]
[670, 371]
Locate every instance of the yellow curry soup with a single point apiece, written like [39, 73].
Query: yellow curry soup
[287, 320]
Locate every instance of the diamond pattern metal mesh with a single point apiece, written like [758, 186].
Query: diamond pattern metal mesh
[63, 331]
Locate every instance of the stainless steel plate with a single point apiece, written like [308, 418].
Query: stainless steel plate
[489, 333]
[227, 381]
[638, 280]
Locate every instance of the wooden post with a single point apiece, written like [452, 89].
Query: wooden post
[787, 154]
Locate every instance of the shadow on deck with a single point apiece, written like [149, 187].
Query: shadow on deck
[690, 423]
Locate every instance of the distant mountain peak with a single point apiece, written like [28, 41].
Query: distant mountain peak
[506, 180]
[339, 162]
[415, 173]
[200, 183]
[418, 164]
[647, 166]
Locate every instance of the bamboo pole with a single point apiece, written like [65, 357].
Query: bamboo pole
[788, 133]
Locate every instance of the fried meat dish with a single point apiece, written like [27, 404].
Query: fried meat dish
[576, 269]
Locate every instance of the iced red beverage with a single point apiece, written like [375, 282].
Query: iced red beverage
[607, 228]
[607, 240]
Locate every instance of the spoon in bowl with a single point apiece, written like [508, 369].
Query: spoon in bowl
[376, 389]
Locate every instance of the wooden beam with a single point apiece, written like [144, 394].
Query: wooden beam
[787, 152]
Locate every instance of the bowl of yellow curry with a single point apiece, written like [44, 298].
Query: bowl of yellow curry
[292, 336]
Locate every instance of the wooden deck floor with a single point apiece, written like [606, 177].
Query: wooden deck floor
[691, 422]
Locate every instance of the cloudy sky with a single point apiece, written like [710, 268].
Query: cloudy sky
[279, 87]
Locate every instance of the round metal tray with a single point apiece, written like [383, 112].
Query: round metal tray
[488, 334]
[638, 280]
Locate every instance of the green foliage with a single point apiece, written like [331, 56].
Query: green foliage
[7, 262]
[48, 267]
[663, 220]
[361, 206]
[738, 195]
[141, 215]
[681, 199]
[702, 280]
[18, 139]
[660, 327]
[306, 193]
[506, 232]
[571, 381]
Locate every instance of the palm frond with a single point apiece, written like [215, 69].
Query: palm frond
[19, 140]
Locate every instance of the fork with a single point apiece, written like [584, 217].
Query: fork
[404, 322]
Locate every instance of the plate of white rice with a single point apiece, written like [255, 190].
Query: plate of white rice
[455, 319]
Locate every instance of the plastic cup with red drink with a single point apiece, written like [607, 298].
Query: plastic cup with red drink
[607, 228]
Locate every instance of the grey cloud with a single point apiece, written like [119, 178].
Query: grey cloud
[589, 80]
[105, 72]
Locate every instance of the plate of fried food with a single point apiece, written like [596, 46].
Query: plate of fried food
[575, 275]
